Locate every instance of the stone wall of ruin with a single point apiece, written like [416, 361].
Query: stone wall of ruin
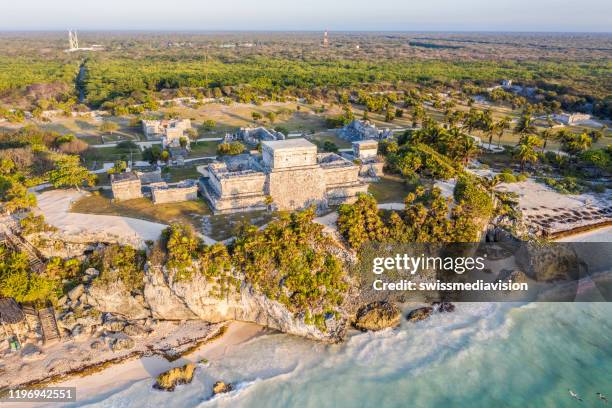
[295, 157]
[296, 188]
[126, 190]
[248, 184]
[174, 195]
[340, 175]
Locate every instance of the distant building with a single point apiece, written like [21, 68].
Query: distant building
[169, 131]
[570, 118]
[125, 186]
[363, 130]
[290, 172]
[254, 136]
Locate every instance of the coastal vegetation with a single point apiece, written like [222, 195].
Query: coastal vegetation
[290, 261]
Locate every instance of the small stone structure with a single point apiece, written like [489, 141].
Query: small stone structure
[571, 118]
[365, 149]
[290, 172]
[126, 186]
[366, 152]
[170, 131]
[254, 136]
[363, 130]
[162, 193]
[148, 177]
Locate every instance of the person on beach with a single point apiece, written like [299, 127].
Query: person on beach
[574, 395]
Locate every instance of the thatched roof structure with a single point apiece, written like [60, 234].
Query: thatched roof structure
[10, 312]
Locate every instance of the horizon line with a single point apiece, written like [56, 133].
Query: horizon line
[146, 30]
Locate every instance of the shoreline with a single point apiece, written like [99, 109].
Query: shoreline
[126, 373]
[580, 231]
[97, 381]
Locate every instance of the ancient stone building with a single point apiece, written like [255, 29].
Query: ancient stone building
[289, 172]
[125, 186]
[170, 131]
[363, 130]
[365, 149]
[162, 193]
[366, 154]
[253, 136]
[571, 118]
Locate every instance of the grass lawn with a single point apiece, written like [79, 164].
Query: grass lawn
[181, 173]
[220, 227]
[322, 137]
[109, 154]
[390, 189]
[189, 212]
[200, 149]
[195, 213]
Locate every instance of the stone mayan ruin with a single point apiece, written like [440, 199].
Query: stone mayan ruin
[130, 185]
[571, 118]
[162, 193]
[126, 186]
[363, 130]
[254, 136]
[169, 131]
[289, 172]
[366, 152]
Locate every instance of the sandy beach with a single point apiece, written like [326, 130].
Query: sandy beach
[120, 376]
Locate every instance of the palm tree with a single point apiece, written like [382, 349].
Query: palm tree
[467, 147]
[525, 126]
[502, 125]
[525, 151]
[545, 135]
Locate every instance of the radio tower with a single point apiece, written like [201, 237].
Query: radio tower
[325, 39]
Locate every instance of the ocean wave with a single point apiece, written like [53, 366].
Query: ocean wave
[243, 387]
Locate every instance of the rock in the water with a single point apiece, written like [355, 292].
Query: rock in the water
[220, 387]
[377, 316]
[419, 314]
[444, 307]
[176, 376]
[122, 344]
[76, 292]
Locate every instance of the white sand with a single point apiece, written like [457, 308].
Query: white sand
[537, 200]
[55, 205]
[597, 235]
[122, 375]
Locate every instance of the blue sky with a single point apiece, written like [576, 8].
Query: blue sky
[359, 15]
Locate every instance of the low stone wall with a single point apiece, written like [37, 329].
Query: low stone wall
[174, 194]
[126, 190]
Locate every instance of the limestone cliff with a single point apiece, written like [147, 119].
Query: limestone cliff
[166, 299]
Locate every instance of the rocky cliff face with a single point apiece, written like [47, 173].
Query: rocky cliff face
[166, 299]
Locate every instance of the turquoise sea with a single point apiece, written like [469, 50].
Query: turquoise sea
[482, 355]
